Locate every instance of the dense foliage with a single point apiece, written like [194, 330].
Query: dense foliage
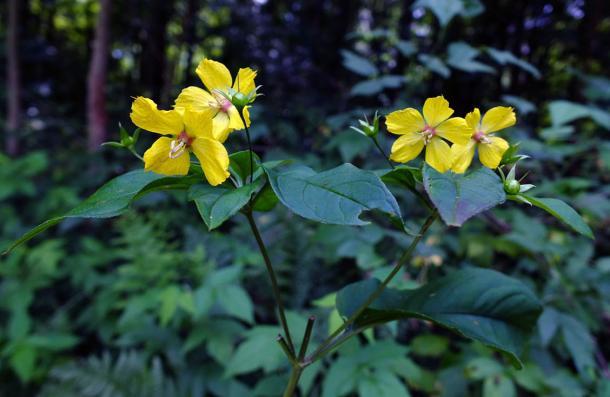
[152, 303]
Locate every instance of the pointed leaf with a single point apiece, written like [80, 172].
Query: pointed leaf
[337, 196]
[480, 304]
[217, 204]
[112, 199]
[563, 212]
[459, 197]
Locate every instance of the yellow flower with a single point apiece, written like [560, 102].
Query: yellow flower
[491, 148]
[191, 131]
[217, 79]
[428, 130]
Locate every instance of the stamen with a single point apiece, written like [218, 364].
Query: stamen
[428, 133]
[480, 137]
[177, 148]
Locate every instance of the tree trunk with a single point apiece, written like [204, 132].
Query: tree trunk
[96, 81]
[153, 60]
[12, 77]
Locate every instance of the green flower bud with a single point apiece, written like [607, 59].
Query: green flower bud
[370, 130]
[512, 186]
[240, 100]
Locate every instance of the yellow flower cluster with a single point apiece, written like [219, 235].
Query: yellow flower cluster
[436, 126]
[200, 122]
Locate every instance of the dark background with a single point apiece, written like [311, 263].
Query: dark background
[153, 303]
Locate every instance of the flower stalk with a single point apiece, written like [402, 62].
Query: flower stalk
[276, 290]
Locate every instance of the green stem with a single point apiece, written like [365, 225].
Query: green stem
[385, 156]
[243, 120]
[329, 343]
[306, 338]
[276, 290]
[293, 381]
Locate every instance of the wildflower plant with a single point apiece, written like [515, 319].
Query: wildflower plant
[479, 304]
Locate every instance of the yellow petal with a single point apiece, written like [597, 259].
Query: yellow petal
[473, 119]
[235, 122]
[195, 98]
[214, 75]
[220, 127]
[491, 153]
[407, 147]
[404, 121]
[157, 159]
[146, 115]
[438, 154]
[199, 123]
[436, 110]
[247, 115]
[498, 118]
[214, 159]
[461, 156]
[455, 130]
[244, 82]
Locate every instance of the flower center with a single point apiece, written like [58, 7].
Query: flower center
[179, 145]
[221, 102]
[428, 133]
[480, 137]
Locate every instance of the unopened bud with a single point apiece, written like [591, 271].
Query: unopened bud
[512, 186]
[367, 129]
[240, 100]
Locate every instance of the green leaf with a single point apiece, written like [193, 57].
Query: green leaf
[265, 200]
[459, 197]
[406, 48]
[482, 367]
[402, 175]
[480, 304]
[112, 199]
[507, 57]
[169, 303]
[53, 341]
[434, 64]
[563, 212]
[499, 386]
[429, 345]
[337, 196]
[462, 56]
[358, 64]
[444, 10]
[216, 204]
[240, 165]
[23, 361]
[563, 112]
[259, 350]
[375, 86]
[236, 302]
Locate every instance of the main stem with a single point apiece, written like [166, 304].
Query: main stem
[276, 290]
[328, 343]
[293, 382]
[261, 245]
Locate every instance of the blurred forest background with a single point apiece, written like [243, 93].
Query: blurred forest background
[152, 304]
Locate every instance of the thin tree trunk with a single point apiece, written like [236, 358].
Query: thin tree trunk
[12, 76]
[96, 81]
